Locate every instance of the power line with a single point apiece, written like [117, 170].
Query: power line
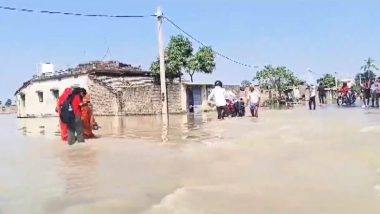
[202, 44]
[122, 16]
[71, 13]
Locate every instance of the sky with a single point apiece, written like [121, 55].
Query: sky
[326, 36]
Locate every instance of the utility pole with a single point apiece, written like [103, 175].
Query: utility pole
[164, 101]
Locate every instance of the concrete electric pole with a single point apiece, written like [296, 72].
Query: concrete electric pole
[164, 101]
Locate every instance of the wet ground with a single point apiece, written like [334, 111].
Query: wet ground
[288, 161]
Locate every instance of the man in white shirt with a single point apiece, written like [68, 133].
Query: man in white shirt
[218, 94]
[254, 101]
[313, 94]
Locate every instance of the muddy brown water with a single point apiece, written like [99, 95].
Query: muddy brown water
[288, 161]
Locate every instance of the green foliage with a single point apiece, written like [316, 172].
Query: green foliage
[203, 62]
[368, 69]
[179, 57]
[362, 77]
[276, 78]
[179, 51]
[169, 73]
[245, 83]
[328, 80]
[8, 103]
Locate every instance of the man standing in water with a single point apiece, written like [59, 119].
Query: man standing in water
[76, 126]
[218, 94]
[373, 93]
[313, 94]
[321, 94]
[367, 93]
[254, 101]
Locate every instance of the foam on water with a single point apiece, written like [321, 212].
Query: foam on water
[370, 129]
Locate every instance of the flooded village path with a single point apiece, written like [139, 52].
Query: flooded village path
[289, 161]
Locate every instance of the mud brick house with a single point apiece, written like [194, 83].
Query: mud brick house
[115, 88]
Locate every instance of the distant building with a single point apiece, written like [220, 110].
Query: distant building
[8, 109]
[115, 88]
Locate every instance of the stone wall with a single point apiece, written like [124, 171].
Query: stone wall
[103, 100]
[174, 98]
[145, 100]
[140, 100]
[133, 100]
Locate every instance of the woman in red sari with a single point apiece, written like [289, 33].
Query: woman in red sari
[87, 117]
[61, 100]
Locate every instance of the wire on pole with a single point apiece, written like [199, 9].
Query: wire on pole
[204, 45]
[25, 10]
[71, 13]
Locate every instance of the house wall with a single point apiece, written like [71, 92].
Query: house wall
[175, 98]
[144, 100]
[104, 101]
[205, 92]
[131, 100]
[33, 107]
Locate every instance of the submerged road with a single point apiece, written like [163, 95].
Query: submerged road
[288, 161]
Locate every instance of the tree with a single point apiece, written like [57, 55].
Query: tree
[328, 80]
[179, 58]
[362, 77]
[8, 103]
[203, 62]
[0, 103]
[245, 83]
[179, 50]
[170, 74]
[277, 79]
[369, 68]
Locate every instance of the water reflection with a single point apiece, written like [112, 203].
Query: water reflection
[35, 127]
[141, 127]
[78, 170]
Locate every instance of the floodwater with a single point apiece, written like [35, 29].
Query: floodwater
[286, 162]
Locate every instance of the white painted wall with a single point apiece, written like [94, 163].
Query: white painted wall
[34, 108]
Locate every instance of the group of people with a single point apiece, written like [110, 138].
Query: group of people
[371, 93]
[76, 117]
[218, 96]
[314, 91]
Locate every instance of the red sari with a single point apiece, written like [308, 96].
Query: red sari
[61, 100]
[87, 118]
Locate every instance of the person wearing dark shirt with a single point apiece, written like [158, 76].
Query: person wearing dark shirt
[367, 92]
[76, 129]
[321, 94]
